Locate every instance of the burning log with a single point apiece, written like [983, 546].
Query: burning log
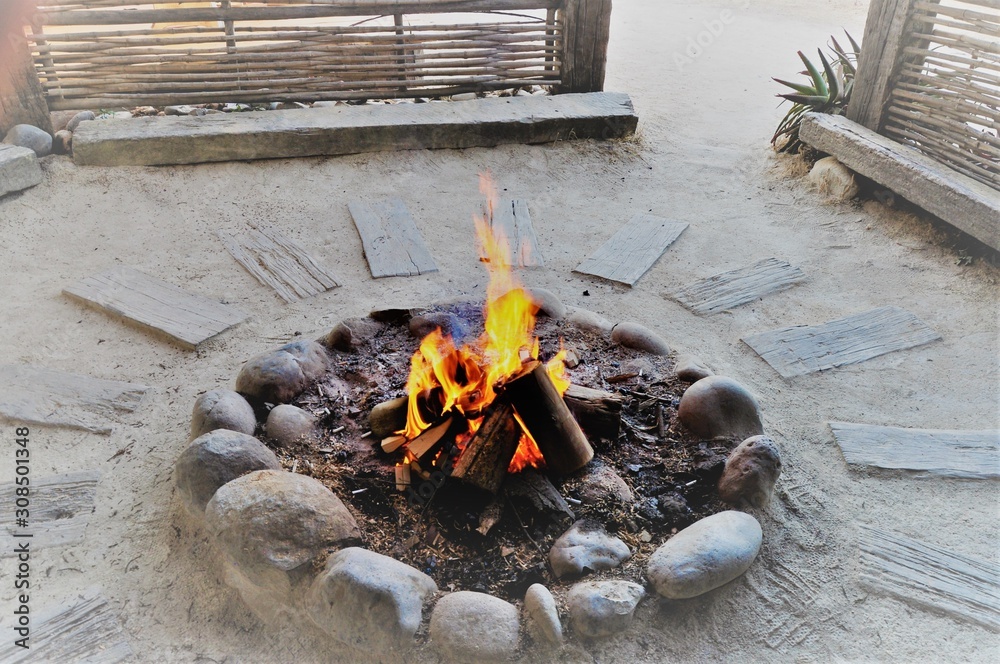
[430, 441]
[548, 420]
[487, 455]
[599, 413]
[534, 489]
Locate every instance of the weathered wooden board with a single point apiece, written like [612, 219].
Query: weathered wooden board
[87, 630]
[46, 396]
[630, 252]
[967, 204]
[393, 245]
[931, 577]
[795, 351]
[353, 129]
[730, 289]
[509, 219]
[279, 262]
[61, 506]
[184, 317]
[940, 453]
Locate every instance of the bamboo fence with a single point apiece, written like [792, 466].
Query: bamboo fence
[113, 53]
[945, 96]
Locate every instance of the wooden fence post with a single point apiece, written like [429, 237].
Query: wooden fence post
[586, 27]
[886, 31]
[22, 100]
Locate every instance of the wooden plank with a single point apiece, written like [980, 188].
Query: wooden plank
[630, 252]
[510, 219]
[22, 99]
[88, 630]
[938, 453]
[586, 30]
[279, 262]
[183, 317]
[393, 245]
[931, 577]
[731, 289]
[798, 350]
[60, 510]
[353, 129]
[968, 205]
[46, 396]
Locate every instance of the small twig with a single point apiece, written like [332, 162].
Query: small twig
[661, 427]
[338, 429]
[366, 434]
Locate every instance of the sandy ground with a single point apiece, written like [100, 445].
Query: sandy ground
[701, 156]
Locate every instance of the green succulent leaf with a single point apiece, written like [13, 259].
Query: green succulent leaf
[854, 44]
[798, 87]
[831, 77]
[806, 100]
[817, 78]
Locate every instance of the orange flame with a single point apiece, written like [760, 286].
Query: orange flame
[466, 379]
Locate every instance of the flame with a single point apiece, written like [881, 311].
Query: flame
[444, 378]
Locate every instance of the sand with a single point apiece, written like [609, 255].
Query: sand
[701, 156]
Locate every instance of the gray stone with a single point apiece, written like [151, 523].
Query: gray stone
[450, 325]
[639, 337]
[691, 369]
[474, 627]
[270, 521]
[281, 375]
[325, 104]
[178, 110]
[464, 96]
[19, 169]
[214, 459]
[354, 129]
[222, 409]
[33, 138]
[61, 118]
[82, 116]
[351, 333]
[602, 608]
[586, 546]
[706, 555]
[719, 407]
[750, 473]
[599, 482]
[369, 601]
[589, 321]
[287, 425]
[547, 302]
[543, 615]
[62, 142]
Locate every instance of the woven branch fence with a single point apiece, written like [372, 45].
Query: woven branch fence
[929, 76]
[112, 53]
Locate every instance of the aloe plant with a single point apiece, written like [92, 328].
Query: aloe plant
[828, 90]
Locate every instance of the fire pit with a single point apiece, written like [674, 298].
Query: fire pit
[482, 456]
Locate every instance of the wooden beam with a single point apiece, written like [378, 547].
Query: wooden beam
[966, 204]
[886, 30]
[22, 99]
[586, 29]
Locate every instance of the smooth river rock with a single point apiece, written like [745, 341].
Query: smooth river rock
[281, 375]
[706, 555]
[369, 601]
[719, 407]
[214, 459]
[691, 369]
[222, 409]
[543, 615]
[586, 546]
[474, 627]
[450, 325]
[603, 608]
[31, 137]
[750, 472]
[589, 321]
[639, 337]
[351, 333]
[288, 424]
[82, 116]
[548, 303]
[600, 482]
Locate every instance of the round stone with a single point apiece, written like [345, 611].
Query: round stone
[543, 615]
[600, 482]
[351, 333]
[474, 627]
[639, 337]
[719, 407]
[369, 601]
[450, 325]
[287, 425]
[28, 136]
[82, 116]
[548, 303]
[602, 608]
[273, 520]
[222, 409]
[706, 555]
[691, 369]
[214, 459]
[586, 546]
[281, 375]
[589, 321]
[750, 472]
